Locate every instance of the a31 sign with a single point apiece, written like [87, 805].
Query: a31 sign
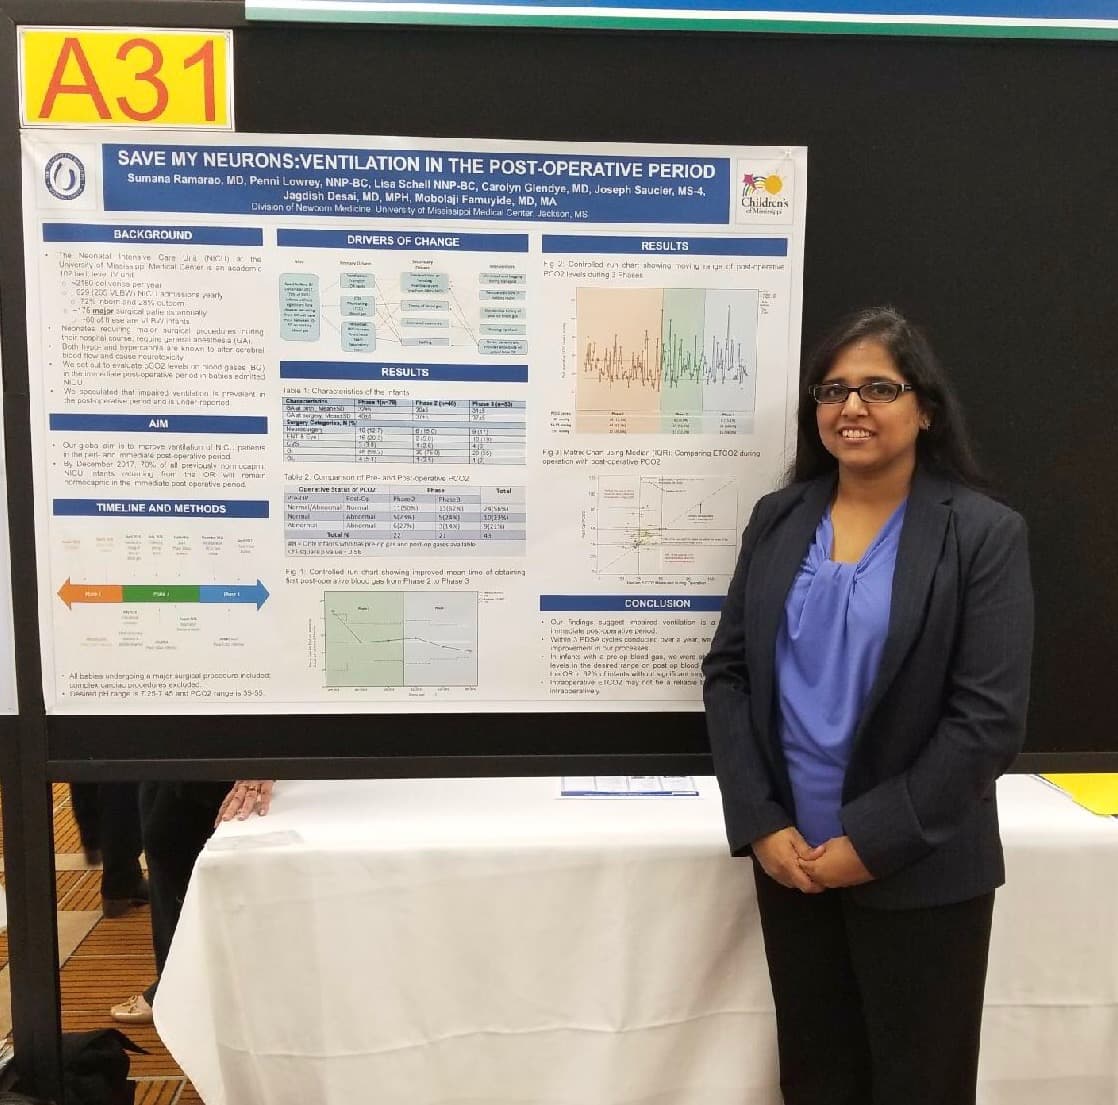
[125, 77]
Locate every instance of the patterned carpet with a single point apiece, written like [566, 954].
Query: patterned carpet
[111, 961]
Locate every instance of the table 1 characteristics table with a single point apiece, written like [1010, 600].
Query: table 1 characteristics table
[390, 519]
[407, 431]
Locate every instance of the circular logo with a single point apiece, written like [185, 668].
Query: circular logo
[65, 176]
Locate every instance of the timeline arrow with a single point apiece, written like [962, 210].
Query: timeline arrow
[132, 593]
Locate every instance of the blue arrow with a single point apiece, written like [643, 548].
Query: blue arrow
[238, 592]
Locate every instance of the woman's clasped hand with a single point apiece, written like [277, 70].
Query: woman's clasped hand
[789, 860]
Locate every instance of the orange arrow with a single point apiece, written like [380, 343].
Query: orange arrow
[70, 593]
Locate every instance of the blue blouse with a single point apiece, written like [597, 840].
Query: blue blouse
[827, 654]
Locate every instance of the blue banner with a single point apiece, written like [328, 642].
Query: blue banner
[161, 423]
[1085, 19]
[364, 370]
[632, 604]
[255, 593]
[174, 508]
[708, 247]
[974, 9]
[371, 239]
[154, 235]
[416, 184]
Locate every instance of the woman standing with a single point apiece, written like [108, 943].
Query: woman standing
[867, 684]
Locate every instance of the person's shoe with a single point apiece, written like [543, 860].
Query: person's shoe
[118, 907]
[133, 1011]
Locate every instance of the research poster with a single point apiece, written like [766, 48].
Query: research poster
[347, 424]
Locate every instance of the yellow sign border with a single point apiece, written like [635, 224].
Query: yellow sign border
[130, 32]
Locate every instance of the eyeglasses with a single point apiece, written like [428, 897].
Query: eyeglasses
[876, 391]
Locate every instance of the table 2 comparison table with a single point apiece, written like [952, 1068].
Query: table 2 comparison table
[393, 518]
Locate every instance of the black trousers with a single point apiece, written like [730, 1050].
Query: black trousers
[108, 819]
[177, 820]
[875, 1006]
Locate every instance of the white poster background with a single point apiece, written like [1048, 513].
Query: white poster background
[417, 528]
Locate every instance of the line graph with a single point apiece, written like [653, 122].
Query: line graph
[661, 526]
[666, 360]
[401, 638]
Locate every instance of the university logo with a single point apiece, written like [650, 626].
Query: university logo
[65, 176]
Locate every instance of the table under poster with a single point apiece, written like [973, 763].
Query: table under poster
[422, 942]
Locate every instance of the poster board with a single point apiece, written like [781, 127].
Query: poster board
[391, 426]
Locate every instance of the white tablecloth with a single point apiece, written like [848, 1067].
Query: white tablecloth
[484, 942]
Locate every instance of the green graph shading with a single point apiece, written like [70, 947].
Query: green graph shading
[400, 638]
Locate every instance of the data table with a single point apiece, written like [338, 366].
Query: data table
[404, 431]
[389, 519]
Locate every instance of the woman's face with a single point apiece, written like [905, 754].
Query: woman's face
[869, 438]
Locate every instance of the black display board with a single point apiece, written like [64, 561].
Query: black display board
[967, 182]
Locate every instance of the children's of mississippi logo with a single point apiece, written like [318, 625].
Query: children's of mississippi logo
[761, 195]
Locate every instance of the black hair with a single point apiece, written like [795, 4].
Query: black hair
[945, 446]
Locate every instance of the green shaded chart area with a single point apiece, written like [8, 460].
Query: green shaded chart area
[400, 638]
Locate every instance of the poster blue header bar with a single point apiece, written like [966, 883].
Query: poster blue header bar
[162, 423]
[416, 184]
[653, 246]
[154, 235]
[988, 9]
[367, 370]
[179, 508]
[631, 604]
[371, 239]
[976, 9]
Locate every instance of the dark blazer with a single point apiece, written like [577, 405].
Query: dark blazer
[945, 715]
